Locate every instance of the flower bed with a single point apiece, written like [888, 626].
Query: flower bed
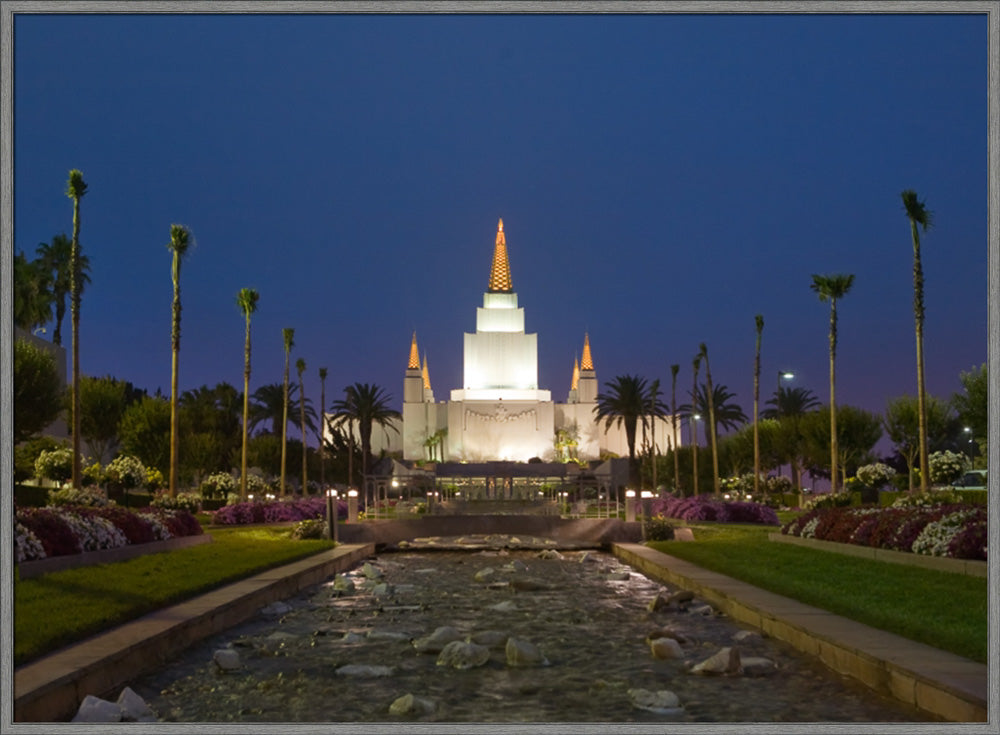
[40, 533]
[276, 511]
[955, 530]
[707, 508]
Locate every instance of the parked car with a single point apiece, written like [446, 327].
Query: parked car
[972, 480]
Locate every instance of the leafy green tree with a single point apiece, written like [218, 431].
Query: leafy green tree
[32, 293]
[144, 431]
[833, 288]
[973, 405]
[246, 300]
[103, 402]
[744, 454]
[625, 402]
[367, 406]
[76, 188]
[858, 430]
[789, 405]
[288, 337]
[180, 243]
[300, 368]
[214, 412]
[38, 391]
[919, 216]
[56, 258]
[902, 425]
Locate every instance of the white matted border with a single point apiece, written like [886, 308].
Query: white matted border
[9, 8]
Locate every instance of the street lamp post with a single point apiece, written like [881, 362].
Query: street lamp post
[782, 375]
[331, 514]
[971, 448]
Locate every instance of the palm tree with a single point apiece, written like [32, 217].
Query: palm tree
[696, 364]
[368, 405]
[180, 242]
[246, 299]
[267, 407]
[625, 402]
[831, 288]
[322, 430]
[918, 214]
[790, 405]
[32, 295]
[711, 420]
[655, 409]
[56, 259]
[288, 335]
[674, 369]
[300, 367]
[759, 322]
[75, 190]
[728, 414]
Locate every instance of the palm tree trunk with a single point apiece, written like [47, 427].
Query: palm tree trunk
[246, 411]
[756, 403]
[75, 321]
[833, 402]
[175, 352]
[302, 421]
[284, 429]
[712, 427]
[918, 308]
[694, 432]
[673, 419]
[322, 432]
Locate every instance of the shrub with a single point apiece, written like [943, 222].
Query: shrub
[945, 467]
[876, 475]
[49, 527]
[930, 499]
[25, 455]
[829, 500]
[92, 475]
[93, 532]
[659, 528]
[706, 508]
[55, 464]
[217, 485]
[154, 479]
[779, 485]
[125, 472]
[26, 544]
[314, 528]
[190, 502]
[137, 529]
[72, 496]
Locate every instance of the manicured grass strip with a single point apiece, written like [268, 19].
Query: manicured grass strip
[944, 610]
[64, 607]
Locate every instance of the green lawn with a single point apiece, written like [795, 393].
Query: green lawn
[59, 608]
[945, 610]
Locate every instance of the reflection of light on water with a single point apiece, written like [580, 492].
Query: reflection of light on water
[590, 627]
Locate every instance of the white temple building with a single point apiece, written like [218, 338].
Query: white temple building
[500, 413]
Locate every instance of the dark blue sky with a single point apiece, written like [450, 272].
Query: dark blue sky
[662, 179]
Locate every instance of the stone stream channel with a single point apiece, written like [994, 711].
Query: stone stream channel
[560, 637]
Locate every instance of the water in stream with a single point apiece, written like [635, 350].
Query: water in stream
[587, 614]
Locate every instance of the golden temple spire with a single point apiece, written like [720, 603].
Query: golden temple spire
[576, 375]
[500, 273]
[586, 362]
[414, 363]
[427, 375]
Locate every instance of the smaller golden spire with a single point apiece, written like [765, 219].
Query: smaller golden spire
[414, 363]
[427, 375]
[500, 273]
[576, 375]
[586, 362]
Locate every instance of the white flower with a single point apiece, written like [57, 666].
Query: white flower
[26, 544]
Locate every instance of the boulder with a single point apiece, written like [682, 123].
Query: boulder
[436, 641]
[660, 602]
[489, 638]
[226, 659]
[94, 709]
[134, 708]
[680, 598]
[725, 661]
[411, 705]
[387, 635]
[524, 653]
[666, 633]
[505, 607]
[745, 635]
[343, 583]
[364, 670]
[619, 575]
[382, 589]
[276, 609]
[705, 610]
[550, 554]
[352, 637]
[664, 648]
[757, 665]
[485, 574]
[515, 566]
[371, 571]
[661, 701]
[463, 655]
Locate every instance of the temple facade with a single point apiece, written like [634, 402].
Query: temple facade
[500, 413]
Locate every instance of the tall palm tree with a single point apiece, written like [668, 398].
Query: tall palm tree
[696, 364]
[674, 369]
[32, 294]
[246, 299]
[288, 336]
[711, 420]
[728, 414]
[656, 409]
[322, 430]
[180, 243]
[300, 367]
[56, 259]
[831, 288]
[918, 214]
[625, 402]
[76, 188]
[790, 405]
[759, 323]
[368, 406]
[267, 407]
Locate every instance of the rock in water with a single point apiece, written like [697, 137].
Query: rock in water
[410, 705]
[662, 701]
[659, 602]
[664, 648]
[94, 709]
[757, 665]
[276, 609]
[364, 670]
[436, 641]
[382, 589]
[226, 659]
[505, 606]
[526, 584]
[742, 635]
[725, 661]
[463, 655]
[680, 597]
[370, 571]
[343, 583]
[489, 638]
[550, 554]
[485, 574]
[134, 708]
[666, 633]
[524, 653]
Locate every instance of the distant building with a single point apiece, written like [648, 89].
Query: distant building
[500, 413]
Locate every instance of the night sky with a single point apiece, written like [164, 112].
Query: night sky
[661, 178]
